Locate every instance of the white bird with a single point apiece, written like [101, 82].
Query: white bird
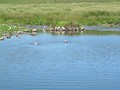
[65, 41]
[35, 43]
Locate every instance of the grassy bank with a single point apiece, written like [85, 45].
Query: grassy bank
[59, 12]
[52, 1]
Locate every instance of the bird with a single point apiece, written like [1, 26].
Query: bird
[65, 41]
[35, 43]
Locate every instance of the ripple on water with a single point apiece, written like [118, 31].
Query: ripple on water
[84, 63]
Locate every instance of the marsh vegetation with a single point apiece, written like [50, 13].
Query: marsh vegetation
[58, 13]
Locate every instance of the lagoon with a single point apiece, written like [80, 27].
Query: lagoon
[86, 62]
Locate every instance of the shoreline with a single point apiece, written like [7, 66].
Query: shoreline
[33, 30]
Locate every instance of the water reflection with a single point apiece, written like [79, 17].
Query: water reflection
[86, 32]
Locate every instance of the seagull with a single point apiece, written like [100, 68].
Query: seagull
[65, 41]
[35, 43]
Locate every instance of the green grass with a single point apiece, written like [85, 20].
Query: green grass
[51, 1]
[60, 12]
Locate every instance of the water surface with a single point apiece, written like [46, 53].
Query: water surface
[86, 62]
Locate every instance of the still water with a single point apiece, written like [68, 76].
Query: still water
[86, 62]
